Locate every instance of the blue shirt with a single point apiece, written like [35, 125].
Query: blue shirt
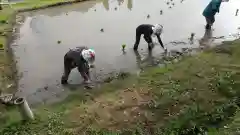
[212, 8]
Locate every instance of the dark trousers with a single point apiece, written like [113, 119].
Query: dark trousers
[210, 20]
[69, 64]
[147, 38]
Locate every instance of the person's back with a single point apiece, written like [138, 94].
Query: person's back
[148, 30]
[80, 57]
[145, 28]
[212, 8]
[75, 55]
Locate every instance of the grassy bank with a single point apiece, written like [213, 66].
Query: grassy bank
[198, 95]
[5, 27]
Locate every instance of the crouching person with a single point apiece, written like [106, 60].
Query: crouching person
[82, 58]
[148, 30]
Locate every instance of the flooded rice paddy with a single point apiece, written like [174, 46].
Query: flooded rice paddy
[104, 25]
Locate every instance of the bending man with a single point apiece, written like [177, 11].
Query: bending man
[82, 58]
[148, 30]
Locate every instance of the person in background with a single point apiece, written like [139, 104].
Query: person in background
[80, 57]
[210, 11]
[148, 31]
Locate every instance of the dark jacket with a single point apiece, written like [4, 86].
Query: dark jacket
[75, 57]
[212, 8]
[146, 29]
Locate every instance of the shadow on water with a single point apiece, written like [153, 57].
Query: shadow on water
[105, 25]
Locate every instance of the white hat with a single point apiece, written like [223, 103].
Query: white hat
[88, 55]
[157, 29]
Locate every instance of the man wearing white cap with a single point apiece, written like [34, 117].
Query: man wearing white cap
[80, 57]
[148, 31]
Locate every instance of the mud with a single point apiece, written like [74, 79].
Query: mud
[46, 35]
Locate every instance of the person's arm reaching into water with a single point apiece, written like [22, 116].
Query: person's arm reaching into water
[160, 41]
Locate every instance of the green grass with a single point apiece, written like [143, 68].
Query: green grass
[5, 70]
[36, 3]
[198, 95]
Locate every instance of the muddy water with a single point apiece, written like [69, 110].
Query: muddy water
[46, 35]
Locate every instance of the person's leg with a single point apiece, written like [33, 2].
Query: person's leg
[212, 20]
[138, 38]
[209, 23]
[67, 70]
[87, 68]
[148, 39]
[84, 71]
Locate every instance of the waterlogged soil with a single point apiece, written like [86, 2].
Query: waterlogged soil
[44, 36]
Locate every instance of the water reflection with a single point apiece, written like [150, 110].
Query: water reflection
[138, 59]
[129, 5]
[120, 2]
[207, 38]
[148, 60]
[106, 4]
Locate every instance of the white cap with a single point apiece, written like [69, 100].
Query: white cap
[89, 55]
[157, 29]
